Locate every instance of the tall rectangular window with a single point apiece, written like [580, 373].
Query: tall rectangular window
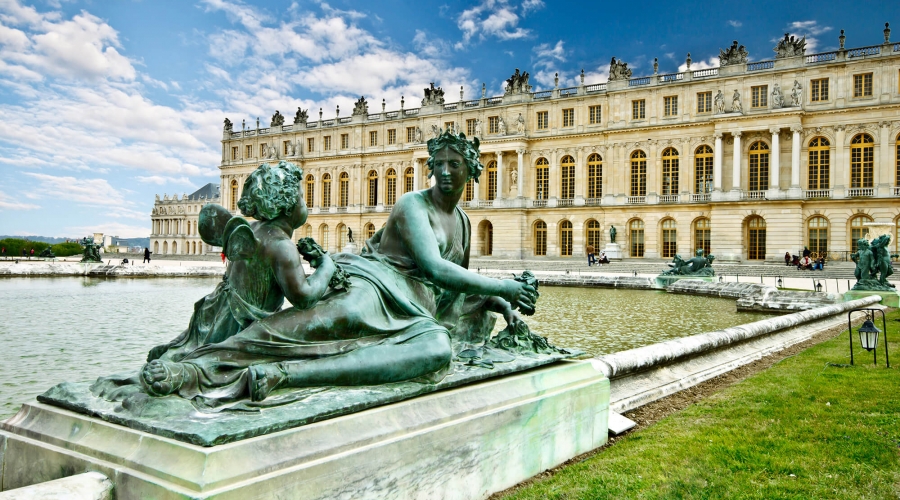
[450, 126]
[310, 145]
[862, 85]
[284, 147]
[234, 152]
[470, 127]
[568, 117]
[410, 134]
[638, 109]
[543, 120]
[818, 90]
[493, 124]
[704, 102]
[345, 141]
[248, 151]
[594, 115]
[392, 136]
[262, 149]
[373, 138]
[759, 96]
[670, 105]
[327, 142]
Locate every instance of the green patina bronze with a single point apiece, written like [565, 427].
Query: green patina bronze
[696, 266]
[47, 253]
[91, 250]
[612, 234]
[407, 310]
[873, 264]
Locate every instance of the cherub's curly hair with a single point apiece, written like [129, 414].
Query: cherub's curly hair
[458, 143]
[271, 191]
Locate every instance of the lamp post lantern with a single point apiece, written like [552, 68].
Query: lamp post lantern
[780, 282]
[868, 334]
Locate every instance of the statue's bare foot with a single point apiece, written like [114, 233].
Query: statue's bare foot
[157, 351]
[161, 378]
[265, 378]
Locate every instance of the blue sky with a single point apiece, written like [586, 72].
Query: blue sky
[106, 103]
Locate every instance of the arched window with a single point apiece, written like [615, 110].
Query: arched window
[174, 247]
[310, 190]
[307, 231]
[342, 236]
[390, 196]
[156, 247]
[639, 176]
[326, 190]
[593, 234]
[567, 178]
[370, 230]
[541, 180]
[491, 181]
[487, 238]
[344, 189]
[703, 170]
[756, 238]
[858, 229]
[701, 236]
[595, 176]
[469, 195]
[819, 163]
[188, 227]
[165, 247]
[234, 195]
[636, 235]
[758, 178]
[540, 238]
[817, 231]
[897, 169]
[372, 190]
[323, 236]
[409, 180]
[862, 161]
[669, 172]
[565, 238]
[194, 245]
[669, 233]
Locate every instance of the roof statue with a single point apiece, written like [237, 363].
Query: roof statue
[789, 46]
[361, 108]
[228, 126]
[733, 55]
[517, 83]
[618, 70]
[301, 116]
[277, 119]
[433, 96]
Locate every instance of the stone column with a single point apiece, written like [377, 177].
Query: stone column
[416, 172]
[841, 172]
[736, 163]
[580, 175]
[654, 166]
[795, 190]
[499, 194]
[554, 177]
[520, 182]
[883, 178]
[775, 161]
[717, 163]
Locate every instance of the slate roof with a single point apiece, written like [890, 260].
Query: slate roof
[207, 192]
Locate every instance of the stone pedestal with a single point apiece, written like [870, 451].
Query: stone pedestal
[663, 282]
[613, 251]
[890, 299]
[350, 248]
[462, 443]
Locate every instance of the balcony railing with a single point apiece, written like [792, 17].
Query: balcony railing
[341, 210]
[388, 208]
[346, 119]
[485, 203]
[672, 77]
[820, 58]
[374, 117]
[451, 107]
[538, 203]
[568, 92]
[756, 66]
[593, 202]
[860, 192]
[287, 128]
[753, 195]
[636, 200]
[493, 101]
[565, 202]
[864, 51]
[328, 123]
[471, 104]
[705, 73]
[896, 191]
[816, 193]
[544, 94]
[668, 198]
[636, 82]
[369, 208]
[597, 87]
[701, 198]
[464, 204]
[391, 115]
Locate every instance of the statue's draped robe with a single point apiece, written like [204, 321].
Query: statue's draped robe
[390, 301]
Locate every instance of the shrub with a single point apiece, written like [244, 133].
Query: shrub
[67, 249]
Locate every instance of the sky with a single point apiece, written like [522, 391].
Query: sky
[105, 104]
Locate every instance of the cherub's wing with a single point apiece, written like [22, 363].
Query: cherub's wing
[240, 243]
[212, 221]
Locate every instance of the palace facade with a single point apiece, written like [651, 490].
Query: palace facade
[174, 222]
[747, 161]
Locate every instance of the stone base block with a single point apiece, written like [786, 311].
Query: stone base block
[890, 299]
[462, 443]
[613, 251]
[663, 282]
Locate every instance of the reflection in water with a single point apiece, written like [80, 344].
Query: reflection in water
[77, 329]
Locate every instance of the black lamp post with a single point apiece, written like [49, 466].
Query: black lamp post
[868, 334]
[818, 286]
[780, 282]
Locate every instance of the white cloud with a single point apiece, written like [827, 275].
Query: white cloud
[808, 29]
[545, 52]
[161, 180]
[712, 62]
[7, 203]
[86, 191]
[494, 18]
[735, 24]
[531, 5]
[112, 228]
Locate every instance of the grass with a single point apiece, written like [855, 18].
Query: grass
[810, 427]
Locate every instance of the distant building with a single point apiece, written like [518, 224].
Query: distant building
[174, 222]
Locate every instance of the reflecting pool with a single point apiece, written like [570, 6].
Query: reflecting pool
[76, 329]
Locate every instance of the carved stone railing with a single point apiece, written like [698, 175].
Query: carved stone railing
[896, 191]
[860, 192]
[493, 101]
[753, 195]
[328, 123]
[820, 58]
[374, 117]
[341, 210]
[538, 203]
[263, 131]
[897, 47]
[346, 119]
[705, 73]
[701, 198]
[597, 87]
[471, 104]
[864, 52]
[390, 115]
[565, 202]
[568, 92]
[451, 107]
[593, 202]
[816, 193]
[668, 198]
[369, 208]
[388, 208]
[671, 77]
[485, 203]
[636, 82]
[544, 94]
[236, 135]
[311, 124]
[759, 65]
[411, 112]
[636, 200]
[287, 128]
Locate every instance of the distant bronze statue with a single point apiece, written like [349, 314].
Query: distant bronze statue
[612, 234]
[91, 250]
[873, 264]
[696, 266]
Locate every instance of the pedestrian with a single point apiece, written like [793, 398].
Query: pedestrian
[590, 255]
[223, 257]
[787, 258]
[32, 253]
[147, 253]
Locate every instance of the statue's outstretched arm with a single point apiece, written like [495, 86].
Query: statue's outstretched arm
[302, 291]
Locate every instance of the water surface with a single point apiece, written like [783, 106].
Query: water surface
[76, 329]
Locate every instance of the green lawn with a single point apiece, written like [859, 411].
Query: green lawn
[810, 427]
